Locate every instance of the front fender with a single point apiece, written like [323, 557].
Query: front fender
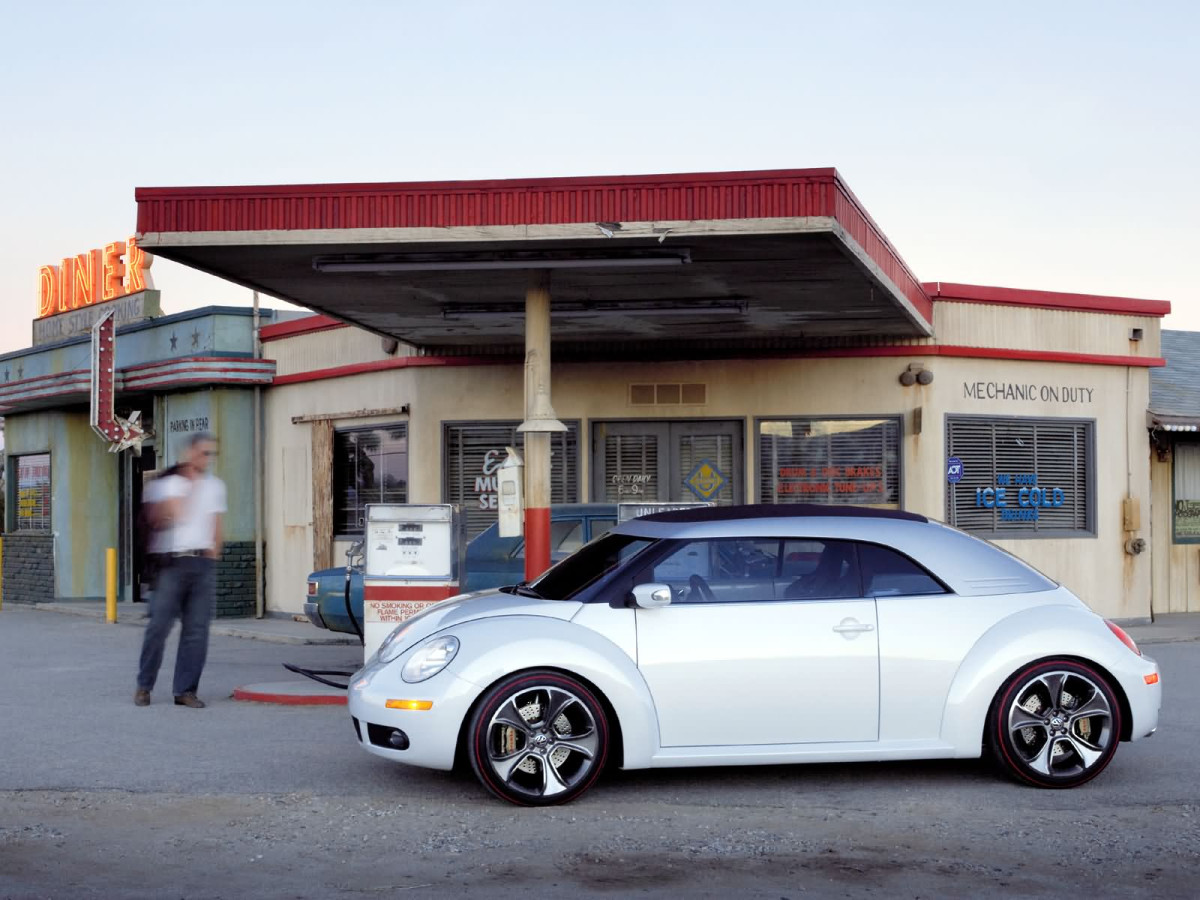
[1025, 636]
[495, 647]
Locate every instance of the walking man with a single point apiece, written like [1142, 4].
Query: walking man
[188, 510]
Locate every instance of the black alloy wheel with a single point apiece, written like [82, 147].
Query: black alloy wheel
[1055, 724]
[538, 738]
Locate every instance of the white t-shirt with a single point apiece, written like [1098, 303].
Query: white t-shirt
[203, 500]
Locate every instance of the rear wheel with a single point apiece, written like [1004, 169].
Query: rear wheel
[1055, 724]
[538, 738]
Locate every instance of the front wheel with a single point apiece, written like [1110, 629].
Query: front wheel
[538, 738]
[1055, 724]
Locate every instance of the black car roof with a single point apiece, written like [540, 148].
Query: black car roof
[778, 511]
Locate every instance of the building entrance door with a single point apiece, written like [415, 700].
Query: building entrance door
[668, 461]
[131, 543]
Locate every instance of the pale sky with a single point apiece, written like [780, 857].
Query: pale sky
[1047, 145]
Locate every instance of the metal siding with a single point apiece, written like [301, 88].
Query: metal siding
[328, 349]
[1035, 328]
[651, 198]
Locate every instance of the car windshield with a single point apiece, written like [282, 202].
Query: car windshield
[590, 562]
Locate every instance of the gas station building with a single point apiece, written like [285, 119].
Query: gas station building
[744, 337]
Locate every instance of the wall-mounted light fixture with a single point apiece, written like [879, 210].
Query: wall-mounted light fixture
[916, 373]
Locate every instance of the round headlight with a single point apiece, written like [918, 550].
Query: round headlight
[429, 659]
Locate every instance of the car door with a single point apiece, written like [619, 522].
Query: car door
[765, 642]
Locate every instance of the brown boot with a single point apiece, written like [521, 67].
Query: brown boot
[189, 699]
[141, 697]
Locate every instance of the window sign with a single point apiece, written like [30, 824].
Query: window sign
[1186, 513]
[33, 493]
[1020, 477]
[370, 465]
[836, 461]
[475, 450]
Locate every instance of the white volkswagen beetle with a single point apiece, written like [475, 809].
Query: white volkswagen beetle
[753, 635]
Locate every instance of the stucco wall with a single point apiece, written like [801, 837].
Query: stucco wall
[229, 415]
[1096, 568]
[83, 484]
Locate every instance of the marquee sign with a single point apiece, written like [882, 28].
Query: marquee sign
[121, 434]
[97, 276]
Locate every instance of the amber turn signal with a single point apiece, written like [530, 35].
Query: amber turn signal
[1151, 679]
[409, 704]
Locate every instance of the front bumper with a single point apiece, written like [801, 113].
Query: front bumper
[432, 734]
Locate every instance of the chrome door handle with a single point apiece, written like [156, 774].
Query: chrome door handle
[852, 626]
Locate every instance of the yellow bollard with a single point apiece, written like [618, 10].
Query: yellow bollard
[110, 586]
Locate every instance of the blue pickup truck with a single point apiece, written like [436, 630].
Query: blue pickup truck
[492, 561]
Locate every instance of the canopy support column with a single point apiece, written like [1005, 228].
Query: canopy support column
[540, 422]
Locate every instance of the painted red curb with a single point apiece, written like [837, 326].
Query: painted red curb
[290, 699]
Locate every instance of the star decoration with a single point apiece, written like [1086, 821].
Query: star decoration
[195, 338]
[20, 371]
[174, 340]
[131, 434]
[6, 374]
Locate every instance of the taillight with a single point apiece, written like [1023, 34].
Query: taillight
[312, 589]
[1125, 639]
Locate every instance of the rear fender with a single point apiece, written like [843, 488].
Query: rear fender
[1024, 637]
[495, 647]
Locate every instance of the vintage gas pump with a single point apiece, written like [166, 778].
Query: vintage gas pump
[509, 485]
[414, 557]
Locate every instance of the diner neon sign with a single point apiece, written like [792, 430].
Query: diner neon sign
[120, 269]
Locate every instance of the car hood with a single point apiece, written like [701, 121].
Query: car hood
[479, 605]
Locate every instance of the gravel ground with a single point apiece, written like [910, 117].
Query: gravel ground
[100, 799]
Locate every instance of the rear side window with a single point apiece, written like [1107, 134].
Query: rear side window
[886, 573]
[818, 569]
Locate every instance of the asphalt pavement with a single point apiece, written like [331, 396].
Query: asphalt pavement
[99, 798]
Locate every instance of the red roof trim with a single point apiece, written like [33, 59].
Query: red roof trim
[383, 365]
[1087, 359]
[229, 363]
[492, 184]
[1092, 359]
[976, 293]
[293, 327]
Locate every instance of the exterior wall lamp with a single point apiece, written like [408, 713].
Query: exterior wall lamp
[916, 373]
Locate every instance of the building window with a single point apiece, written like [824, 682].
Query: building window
[370, 465]
[831, 460]
[1186, 504]
[473, 452]
[1020, 477]
[33, 493]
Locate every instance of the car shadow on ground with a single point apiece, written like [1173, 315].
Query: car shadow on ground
[767, 781]
[754, 785]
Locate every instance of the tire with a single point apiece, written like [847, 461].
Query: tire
[1055, 724]
[538, 738]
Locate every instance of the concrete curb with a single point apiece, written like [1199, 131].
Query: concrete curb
[288, 693]
[257, 630]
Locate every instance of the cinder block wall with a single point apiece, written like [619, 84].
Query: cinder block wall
[29, 568]
[234, 579]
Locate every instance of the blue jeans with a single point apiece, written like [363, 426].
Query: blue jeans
[185, 590]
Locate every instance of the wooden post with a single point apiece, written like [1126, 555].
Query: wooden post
[322, 491]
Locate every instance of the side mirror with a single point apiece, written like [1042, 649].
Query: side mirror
[651, 596]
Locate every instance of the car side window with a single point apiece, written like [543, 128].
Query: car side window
[717, 571]
[887, 573]
[819, 570]
[566, 536]
[602, 526]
